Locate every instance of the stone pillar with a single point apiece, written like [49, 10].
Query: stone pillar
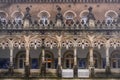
[11, 57]
[43, 65]
[11, 62]
[91, 65]
[75, 56]
[59, 68]
[75, 62]
[107, 61]
[91, 57]
[43, 54]
[27, 56]
[59, 56]
[27, 66]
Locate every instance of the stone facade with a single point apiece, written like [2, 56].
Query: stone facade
[45, 38]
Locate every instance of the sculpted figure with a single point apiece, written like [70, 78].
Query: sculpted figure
[59, 17]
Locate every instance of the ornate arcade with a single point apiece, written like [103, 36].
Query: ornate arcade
[63, 47]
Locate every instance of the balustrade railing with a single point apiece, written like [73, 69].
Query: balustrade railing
[52, 26]
[76, 26]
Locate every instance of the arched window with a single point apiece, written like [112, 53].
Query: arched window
[21, 61]
[69, 16]
[3, 17]
[69, 61]
[44, 17]
[84, 19]
[82, 63]
[48, 60]
[96, 59]
[110, 16]
[109, 20]
[17, 17]
[83, 16]
[115, 60]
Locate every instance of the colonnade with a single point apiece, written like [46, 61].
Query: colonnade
[59, 40]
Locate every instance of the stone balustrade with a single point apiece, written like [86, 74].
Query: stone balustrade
[52, 26]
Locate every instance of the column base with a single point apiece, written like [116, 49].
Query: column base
[108, 70]
[75, 71]
[59, 71]
[11, 70]
[92, 73]
[27, 71]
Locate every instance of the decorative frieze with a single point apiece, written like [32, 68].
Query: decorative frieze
[59, 1]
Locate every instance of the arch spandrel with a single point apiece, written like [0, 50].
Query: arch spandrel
[114, 42]
[50, 43]
[35, 43]
[76, 42]
[7, 41]
[99, 42]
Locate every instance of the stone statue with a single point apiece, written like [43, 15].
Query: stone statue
[90, 18]
[27, 18]
[90, 14]
[27, 15]
[59, 17]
